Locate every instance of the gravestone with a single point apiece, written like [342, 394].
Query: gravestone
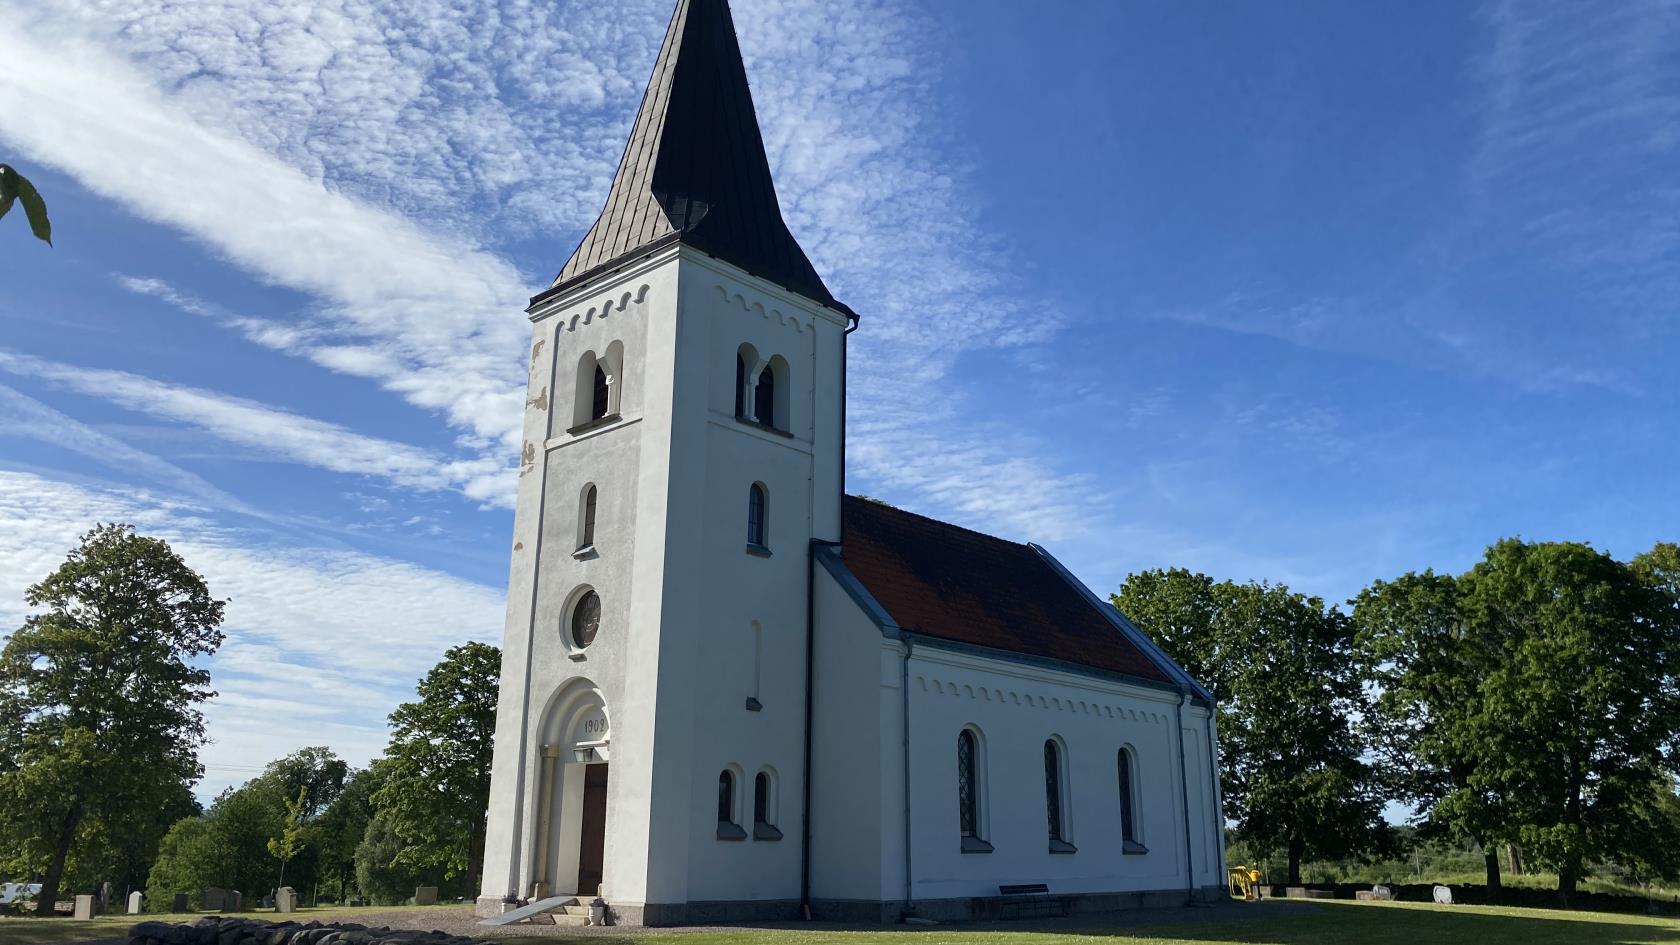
[425, 895]
[1443, 895]
[84, 907]
[1382, 894]
[235, 900]
[215, 899]
[135, 901]
[181, 904]
[285, 899]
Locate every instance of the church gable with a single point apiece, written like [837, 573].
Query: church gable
[948, 583]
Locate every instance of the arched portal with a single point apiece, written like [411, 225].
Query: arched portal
[571, 824]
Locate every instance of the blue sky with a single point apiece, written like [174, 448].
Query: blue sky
[1313, 292]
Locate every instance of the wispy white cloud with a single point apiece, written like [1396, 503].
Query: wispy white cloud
[271, 433]
[25, 417]
[303, 147]
[442, 313]
[321, 643]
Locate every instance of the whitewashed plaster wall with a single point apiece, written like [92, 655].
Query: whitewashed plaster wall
[851, 832]
[1016, 707]
[724, 589]
[627, 463]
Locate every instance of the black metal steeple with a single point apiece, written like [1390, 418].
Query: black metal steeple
[695, 170]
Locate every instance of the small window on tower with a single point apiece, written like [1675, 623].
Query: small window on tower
[758, 511]
[764, 808]
[727, 828]
[586, 520]
[598, 409]
[585, 620]
[764, 398]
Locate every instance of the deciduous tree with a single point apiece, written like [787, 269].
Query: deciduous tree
[1582, 700]
[1429, 725]
[1281, 666]
[103, 687]
[437, 767]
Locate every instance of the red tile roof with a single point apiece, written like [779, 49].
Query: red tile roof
[950, 583]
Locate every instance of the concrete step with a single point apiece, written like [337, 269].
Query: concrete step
[576, 909]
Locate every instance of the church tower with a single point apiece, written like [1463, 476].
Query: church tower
[683, 447]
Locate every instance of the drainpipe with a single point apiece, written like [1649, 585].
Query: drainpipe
[810, 702]
[1184, 792]
[904, 709]
[845, 346]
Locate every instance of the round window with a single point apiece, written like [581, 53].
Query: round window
[586, 619]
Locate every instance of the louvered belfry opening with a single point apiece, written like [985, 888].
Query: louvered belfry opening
[695, 169]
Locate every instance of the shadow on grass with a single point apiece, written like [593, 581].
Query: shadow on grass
[1348, 924]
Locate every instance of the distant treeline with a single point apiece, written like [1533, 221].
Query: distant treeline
[1528, 708]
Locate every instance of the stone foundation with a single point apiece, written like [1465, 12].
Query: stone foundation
[868, 912]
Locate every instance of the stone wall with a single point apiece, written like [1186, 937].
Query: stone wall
[219, 930]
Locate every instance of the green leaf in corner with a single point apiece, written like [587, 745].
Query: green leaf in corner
[16, 187]
[8, 188]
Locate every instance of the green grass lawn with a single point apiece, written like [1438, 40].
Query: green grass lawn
[1276, 923]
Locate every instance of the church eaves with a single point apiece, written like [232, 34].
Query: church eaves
[695, 170]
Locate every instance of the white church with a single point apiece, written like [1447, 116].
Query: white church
[729, 690]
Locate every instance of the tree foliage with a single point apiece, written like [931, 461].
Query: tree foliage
[101, 693]
[341, 827]
[382, 871]
[1533, 700]
[290, 841]
[436, 770]
[1281, 666]
[233, 845]
[16, 189]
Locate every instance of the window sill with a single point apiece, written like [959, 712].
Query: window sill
[975, 845]
[586, 553]
[1133, 848]
[763, 831]
[576, 657]
[729, 831]
[595, 424]
[767, 428]
[758, 551]
[1062, 847]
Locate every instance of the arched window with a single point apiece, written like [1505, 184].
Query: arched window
[968, 800]
[586, 619]
[1129, 841]
[758, 511]
[586, 519]
[1055, 797]
[764, 398]
[764, 808]
[747, 367]
[968, 793]
[599, 407]
[727, 828]
[740, 385]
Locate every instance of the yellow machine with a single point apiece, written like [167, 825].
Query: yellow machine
[1244, 883]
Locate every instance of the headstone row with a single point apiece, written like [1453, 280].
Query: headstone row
[223, 930]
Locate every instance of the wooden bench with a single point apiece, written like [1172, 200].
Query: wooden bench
[1030, 901]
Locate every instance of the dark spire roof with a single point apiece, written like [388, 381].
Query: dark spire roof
[695, 169]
